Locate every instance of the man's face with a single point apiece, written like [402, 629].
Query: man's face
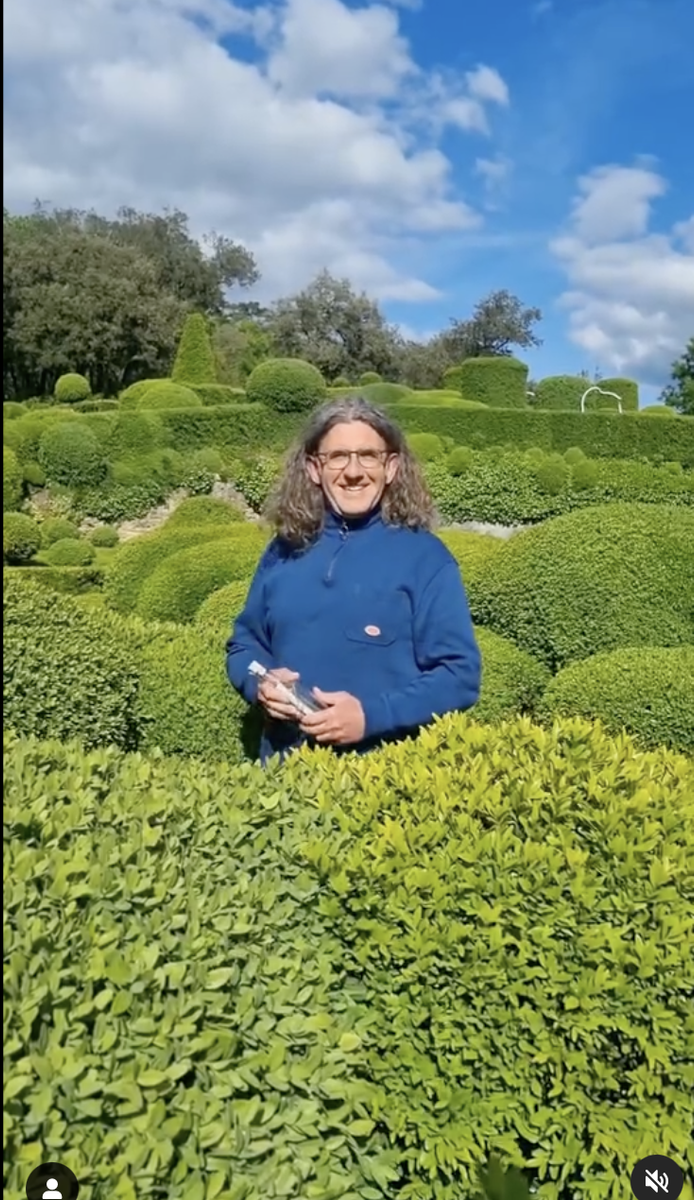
[353, 467]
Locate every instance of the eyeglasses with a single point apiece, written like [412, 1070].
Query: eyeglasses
[337, 460]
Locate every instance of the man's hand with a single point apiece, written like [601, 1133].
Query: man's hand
[341, 722]
[274, 705]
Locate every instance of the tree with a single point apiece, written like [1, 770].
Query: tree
[239, 346]
[680, 393]
[339, 331]
[194, 362]
[80, 301]
[498, 324]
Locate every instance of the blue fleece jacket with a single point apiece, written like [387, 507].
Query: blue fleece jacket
[369, 608]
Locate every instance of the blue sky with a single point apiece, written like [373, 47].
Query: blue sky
[429, 151]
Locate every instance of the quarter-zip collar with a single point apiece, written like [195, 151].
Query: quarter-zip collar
[338, 523]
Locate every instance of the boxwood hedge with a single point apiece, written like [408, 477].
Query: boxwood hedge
[648, 691]
[350, 979]
[217, 613]
[499, 381]
[613, 576]
[12, 480]
[177, 587]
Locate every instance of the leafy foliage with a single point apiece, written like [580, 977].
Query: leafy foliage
[680, 393]
[21, 538]
[217, 613]
[649, 692]
[499, 382]
[12, 480]
[613, 576]
[561, 392]
[55, 529]
[351, 978]
[164, 394]
[498, 323]
[286, 385]
[71, 389]
[177, 587]
[203, 510]
[427, 447]
[70, 454]
[194, 362]
[70, 552]
[512, 681]
[104, 537]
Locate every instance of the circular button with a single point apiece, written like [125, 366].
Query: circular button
[657, 1176]
[52, 1181]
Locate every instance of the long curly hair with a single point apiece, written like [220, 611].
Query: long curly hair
[296, 506]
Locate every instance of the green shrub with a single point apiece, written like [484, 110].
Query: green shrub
[70, 552]
[68, 672]
[256, 480]
[535, 456]
[648, 691]
[66, 580]
[425, 446]
[385, 393]
[553, 474]
[369, 972]
[471, 551]
[56, 529]
[562, 392]
[286, 385]
[177, 587]
[512, 681]
[138, 559]
[584, 474]
[24, 435]
[96, 405]
[194, 362]
[70, 454]
[134, 433]
[438, 399]
[574, 455]
[12, 480]
[452, 379]
[11, 409]
[626, 389]
[131, 396]
[602, 578]
[217, 613]
[213, 394]
[72, 388]
[21, 538]
[164, 467]
[367, 377]
[657, 410]
[341, 382]
[207, 459]
[498, 381]
[459, 460]
[203, 510]
[163, 395]
[122, 502]
[104, 537]
[34, 475]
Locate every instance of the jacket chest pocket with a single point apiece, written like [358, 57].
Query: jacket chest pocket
[381, 624]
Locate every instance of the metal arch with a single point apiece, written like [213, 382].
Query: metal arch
[595, 388]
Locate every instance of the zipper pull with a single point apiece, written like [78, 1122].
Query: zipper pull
[345, 530]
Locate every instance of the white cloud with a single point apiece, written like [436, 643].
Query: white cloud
[302, 154]
[631, 295]
[485, 83]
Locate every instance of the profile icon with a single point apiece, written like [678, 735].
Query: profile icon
[52, 1181]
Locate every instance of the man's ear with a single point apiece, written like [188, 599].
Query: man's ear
[392, 467]
[312, 470]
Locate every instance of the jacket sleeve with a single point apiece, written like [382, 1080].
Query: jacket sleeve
[448, 657]
[250, 639]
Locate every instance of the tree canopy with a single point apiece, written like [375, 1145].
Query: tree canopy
[679, 394]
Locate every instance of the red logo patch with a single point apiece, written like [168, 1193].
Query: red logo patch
[372, 630]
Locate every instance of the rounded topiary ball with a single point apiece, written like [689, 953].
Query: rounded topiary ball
[286, 385]
[104, 537]
[425, 446]
[21, 538]
[57, 529]
[370, 377]
[70, 454]
[168, 395]
[72, 388]
[70, 552]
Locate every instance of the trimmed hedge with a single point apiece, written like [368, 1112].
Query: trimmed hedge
[194, 362]
[12, 480]
[618, 575]
[176, 588]
[561, 392]
[104, 537]
[24, 434]
[21, 538]
[55, 529]
[203, 510]
[138, 559]
[471, 551]
[71, 389]
[368, 377]
[512, 681]
[286, 385]
[217, 613]
[68, 672]
[427, 447]
[213, 394]
[648, 691]
[165, 394]
[12, 409]
[350, 978]
[134, 433]
[70, 552]
[68, 580]
[626, 389]
[130, 397]
[70, 454]
[499, 381]
[657, 410]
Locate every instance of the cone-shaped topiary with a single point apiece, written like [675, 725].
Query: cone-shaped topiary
[194, 358]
